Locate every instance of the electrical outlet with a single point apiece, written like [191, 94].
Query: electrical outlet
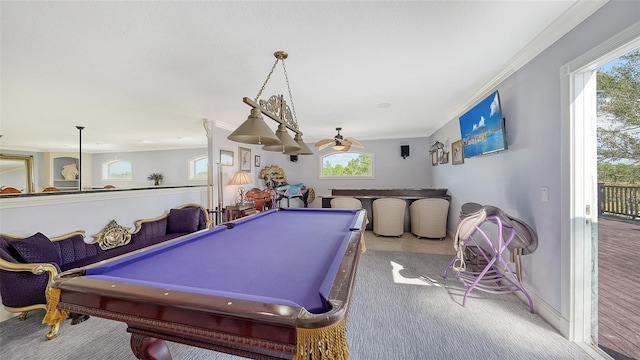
[545, 194]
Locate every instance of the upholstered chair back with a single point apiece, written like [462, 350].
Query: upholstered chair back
[346, 203]
[10, 190]
[429, 218]
[388, 216]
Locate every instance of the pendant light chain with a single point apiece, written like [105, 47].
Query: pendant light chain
[254, 130]
[293, 108]
[267, 80]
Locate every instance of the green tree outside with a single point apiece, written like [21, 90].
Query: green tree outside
[619, 174]
[360, 166]
[619, 104]
[124, 175]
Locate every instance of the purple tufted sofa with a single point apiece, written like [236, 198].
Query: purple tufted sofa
[28, 264]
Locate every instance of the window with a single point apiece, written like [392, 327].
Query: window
[198, 168]
[346, 165]
[116, 170]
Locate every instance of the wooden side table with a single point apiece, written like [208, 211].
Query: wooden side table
[232, 212]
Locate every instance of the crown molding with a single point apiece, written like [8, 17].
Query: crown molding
[571, 18]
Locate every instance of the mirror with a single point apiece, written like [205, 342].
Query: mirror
[17, 171]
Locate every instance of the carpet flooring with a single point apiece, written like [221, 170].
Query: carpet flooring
[402, 308]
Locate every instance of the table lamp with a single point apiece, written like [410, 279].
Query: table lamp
[240, 178]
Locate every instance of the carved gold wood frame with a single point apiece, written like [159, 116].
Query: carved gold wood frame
[112, 236]
[457, 150]
[28, 167]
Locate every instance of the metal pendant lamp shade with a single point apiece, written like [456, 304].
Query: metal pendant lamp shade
[304, 149]
[287, 144]
[254, 131]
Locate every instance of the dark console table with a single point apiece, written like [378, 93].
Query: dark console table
[367, 196]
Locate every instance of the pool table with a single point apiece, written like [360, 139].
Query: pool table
[275, 285]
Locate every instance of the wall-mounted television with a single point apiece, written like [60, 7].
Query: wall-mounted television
[482, 128]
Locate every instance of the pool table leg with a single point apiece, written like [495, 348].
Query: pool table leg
[148, 348]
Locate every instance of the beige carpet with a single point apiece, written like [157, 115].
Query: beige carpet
[402, 309]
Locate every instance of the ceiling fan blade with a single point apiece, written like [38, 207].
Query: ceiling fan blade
[355, 143]
[324, 142]
[323, 146]
[347, 146]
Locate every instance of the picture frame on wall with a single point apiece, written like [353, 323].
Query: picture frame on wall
[244, 159]
[444, 158]
[434, 158]
[257, 161]
[226, 157]
[457, 151]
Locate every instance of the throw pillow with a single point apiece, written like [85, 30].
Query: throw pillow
[183, 220]
[37, 248]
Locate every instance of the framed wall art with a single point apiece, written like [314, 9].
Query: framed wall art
[226, 157]
[457, 150]
[244, 159]
[434, 158]
[444, 158]
[257, 161]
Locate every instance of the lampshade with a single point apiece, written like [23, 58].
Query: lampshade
[287, 143]
[254, 131]
[240, 178]
[304, 149]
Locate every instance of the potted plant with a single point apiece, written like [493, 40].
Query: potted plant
[156, 177]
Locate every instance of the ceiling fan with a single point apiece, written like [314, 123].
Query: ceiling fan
[339, 142]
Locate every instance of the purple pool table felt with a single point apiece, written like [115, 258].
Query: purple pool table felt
[286, 257]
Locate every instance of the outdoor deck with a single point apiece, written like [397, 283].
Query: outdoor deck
[619, 287]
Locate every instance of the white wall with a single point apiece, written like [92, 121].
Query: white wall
[55, 215]
[513, 179]
[172, 164]
[391, 170]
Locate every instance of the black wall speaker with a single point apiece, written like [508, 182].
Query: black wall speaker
[404, 151]
[293, 158]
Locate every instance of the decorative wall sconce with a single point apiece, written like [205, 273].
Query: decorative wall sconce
[255, 131]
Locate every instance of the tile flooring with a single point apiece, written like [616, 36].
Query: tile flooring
[410, 243]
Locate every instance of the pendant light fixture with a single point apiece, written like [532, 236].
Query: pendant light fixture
[255, 131]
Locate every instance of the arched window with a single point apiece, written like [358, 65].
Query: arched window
[198, 168]
[341, 165]
[117, 170]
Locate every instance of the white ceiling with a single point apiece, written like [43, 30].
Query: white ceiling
[143, 75]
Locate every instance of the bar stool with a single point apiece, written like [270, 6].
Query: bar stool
[388, 216]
